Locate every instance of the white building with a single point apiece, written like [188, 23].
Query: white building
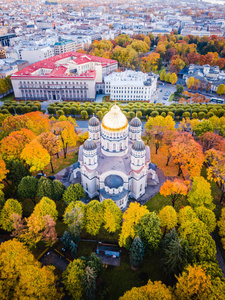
[68, 76]
[114, 162]
[130, 86]
[63, 46]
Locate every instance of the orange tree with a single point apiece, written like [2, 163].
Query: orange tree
[50, 142]
[188, 155]
[174, 189]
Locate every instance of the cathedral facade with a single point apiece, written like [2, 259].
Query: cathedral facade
[114, 163]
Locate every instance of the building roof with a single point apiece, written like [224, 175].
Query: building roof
[138, 146]
[135, 122]
[89, 145]
[113, 181]
[94, 121]
[114, 120]
[58, 66]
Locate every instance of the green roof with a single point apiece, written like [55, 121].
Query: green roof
[63, 42]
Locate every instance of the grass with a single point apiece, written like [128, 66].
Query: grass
[61, 163]
[171, 98]
[103, 235]
[8, 97]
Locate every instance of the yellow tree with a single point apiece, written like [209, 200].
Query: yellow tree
[153, 290]
[131, 218]
[156, 127]
[10, 207]
[168, 217]
[190, 82]
[173, 78]
[112, 215]
[193, 283]
[35, 156]
[66, 132]
[216, 169]
[174, 189]
[22, 277]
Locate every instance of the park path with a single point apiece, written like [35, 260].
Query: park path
[219, 255]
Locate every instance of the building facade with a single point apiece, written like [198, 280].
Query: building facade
[63, 46]
[114, 162]
[69, 76]
[130, 86]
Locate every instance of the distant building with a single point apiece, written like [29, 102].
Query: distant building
[130, 86]
[9, 66]
[63, 46]
[70, 76]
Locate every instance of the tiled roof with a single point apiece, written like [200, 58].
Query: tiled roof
[58, 69]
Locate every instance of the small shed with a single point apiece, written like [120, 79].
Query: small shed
[109, 253]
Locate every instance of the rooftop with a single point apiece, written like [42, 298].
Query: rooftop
[58, 66]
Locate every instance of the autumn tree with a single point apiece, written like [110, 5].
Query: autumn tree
[45, 207]
[173, 78]
[148, 229]
[73, 278]
[22, 277]
[211, 140]
[89, 283]
[73, 192]
[112, 216]
[13, 144]
[221, 89]
[156, 126]
[3, 170]
[50, 142]
[168, 217]
[221, 225]
[188, 155]
[10, 207]
[207, 216]
[193, 282]
[35, 156]
[131, 217]
[216, 169]
[94, 217]
[66, 132]
[168, 137]
[200, 193]
[174, 189]
[186, 214]
[153, 290]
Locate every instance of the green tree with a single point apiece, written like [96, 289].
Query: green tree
[10, 208]
[221, 225]
[94, 217]
[22, 277]
[200, 193]
[45, 188]
[58, 190]
[136, 253]
[74, 219]
[73, 278]
[89, 283]
[176, 253]
[221, 89]
[203, 127]
[27, 187]
[95, 263]
[199, 239]
[73, 192]
[17, 171]
[112, 216]
[84, 114]
[148, 229]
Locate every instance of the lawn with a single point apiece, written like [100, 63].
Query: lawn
[61, 163]
[171, 98]
[8, 97]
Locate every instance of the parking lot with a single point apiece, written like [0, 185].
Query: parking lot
[163, 93]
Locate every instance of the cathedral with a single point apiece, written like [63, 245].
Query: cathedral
[114, 163]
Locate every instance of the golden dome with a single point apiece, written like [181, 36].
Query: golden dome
[114, 120]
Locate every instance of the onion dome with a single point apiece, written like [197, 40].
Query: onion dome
[94, 121]
[114, 120]
[89, 145]
[138, 146]
[113, 181]
[135, 122]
